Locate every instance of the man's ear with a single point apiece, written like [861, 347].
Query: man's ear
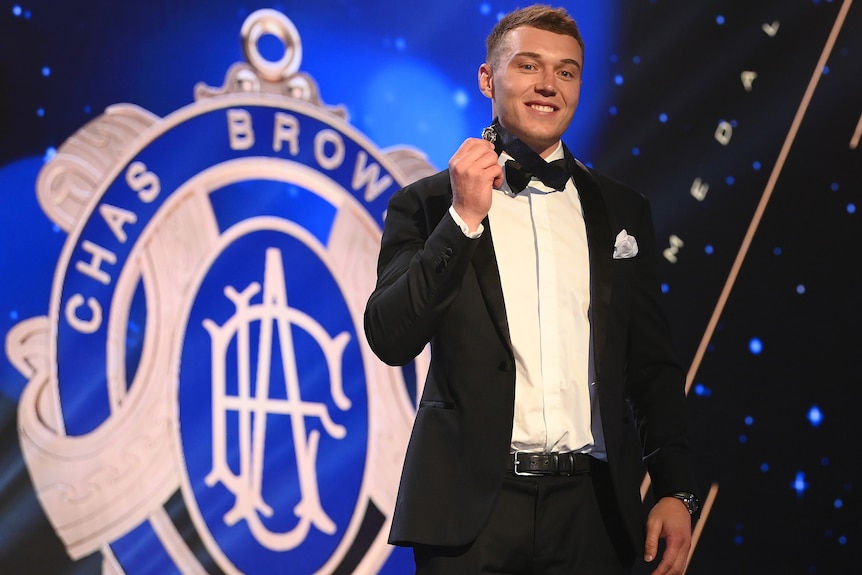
[486, 80]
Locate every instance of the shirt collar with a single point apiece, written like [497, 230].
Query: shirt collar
[557, 154]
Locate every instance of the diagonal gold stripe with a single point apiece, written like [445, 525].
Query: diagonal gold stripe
[698, 528]
[752, 229]
[854, 141]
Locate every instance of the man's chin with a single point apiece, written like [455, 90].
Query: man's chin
[542, 142]
[538, 137]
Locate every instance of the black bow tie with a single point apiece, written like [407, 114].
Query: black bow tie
[553, 174]
[526, 163]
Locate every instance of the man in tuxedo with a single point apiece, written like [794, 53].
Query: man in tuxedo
[552, 368]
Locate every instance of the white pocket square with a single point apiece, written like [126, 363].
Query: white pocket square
[625, 246]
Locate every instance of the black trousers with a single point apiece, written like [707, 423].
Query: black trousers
[543, 526]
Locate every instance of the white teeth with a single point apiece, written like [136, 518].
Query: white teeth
[543, 108]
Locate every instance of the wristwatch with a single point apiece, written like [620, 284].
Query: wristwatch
[689, 499]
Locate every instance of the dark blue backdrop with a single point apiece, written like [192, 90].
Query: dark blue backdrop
[774, 396]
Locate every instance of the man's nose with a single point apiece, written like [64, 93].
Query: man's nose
[548, 82]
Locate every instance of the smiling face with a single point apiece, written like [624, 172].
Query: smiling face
[534, 84]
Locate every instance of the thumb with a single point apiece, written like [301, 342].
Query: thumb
[651, 544]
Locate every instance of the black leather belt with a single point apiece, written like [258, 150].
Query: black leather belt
[524, 463]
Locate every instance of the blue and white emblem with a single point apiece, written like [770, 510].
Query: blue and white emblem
[201, 397]
[257, 412]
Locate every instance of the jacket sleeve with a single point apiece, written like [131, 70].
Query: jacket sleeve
[655, 378]
[423, 256]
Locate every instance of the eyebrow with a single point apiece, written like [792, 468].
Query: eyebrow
[538, 56]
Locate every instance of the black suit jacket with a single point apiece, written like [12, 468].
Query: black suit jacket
[434, 284]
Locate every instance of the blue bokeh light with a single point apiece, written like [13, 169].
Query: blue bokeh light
[815, 416]
[799, 484]
[462, 99]
[755, 346]
[702, 391]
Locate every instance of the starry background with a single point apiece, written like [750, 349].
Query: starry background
[773, 398]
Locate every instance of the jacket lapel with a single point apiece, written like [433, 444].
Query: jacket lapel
[601, 242]
[488, 276]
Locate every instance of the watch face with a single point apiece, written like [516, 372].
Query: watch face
[692, 504]
[689, 500]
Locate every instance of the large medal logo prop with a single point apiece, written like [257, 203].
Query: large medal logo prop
[201, 397]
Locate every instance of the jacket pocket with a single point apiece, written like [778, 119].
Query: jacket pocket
[436, 404]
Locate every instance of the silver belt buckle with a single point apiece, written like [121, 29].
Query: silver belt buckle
[515, 466]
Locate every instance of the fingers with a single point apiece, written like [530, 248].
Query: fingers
[475, 158]
[670, 521]
[473, 172]
[476, 147]
[498, 176]
[673, 559]
[651, 544]
[669, 564]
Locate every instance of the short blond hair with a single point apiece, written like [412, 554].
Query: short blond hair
[539, 16]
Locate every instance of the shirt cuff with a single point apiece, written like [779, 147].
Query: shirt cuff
[464, 227]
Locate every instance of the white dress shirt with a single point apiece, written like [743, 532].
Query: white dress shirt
[540, 242]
